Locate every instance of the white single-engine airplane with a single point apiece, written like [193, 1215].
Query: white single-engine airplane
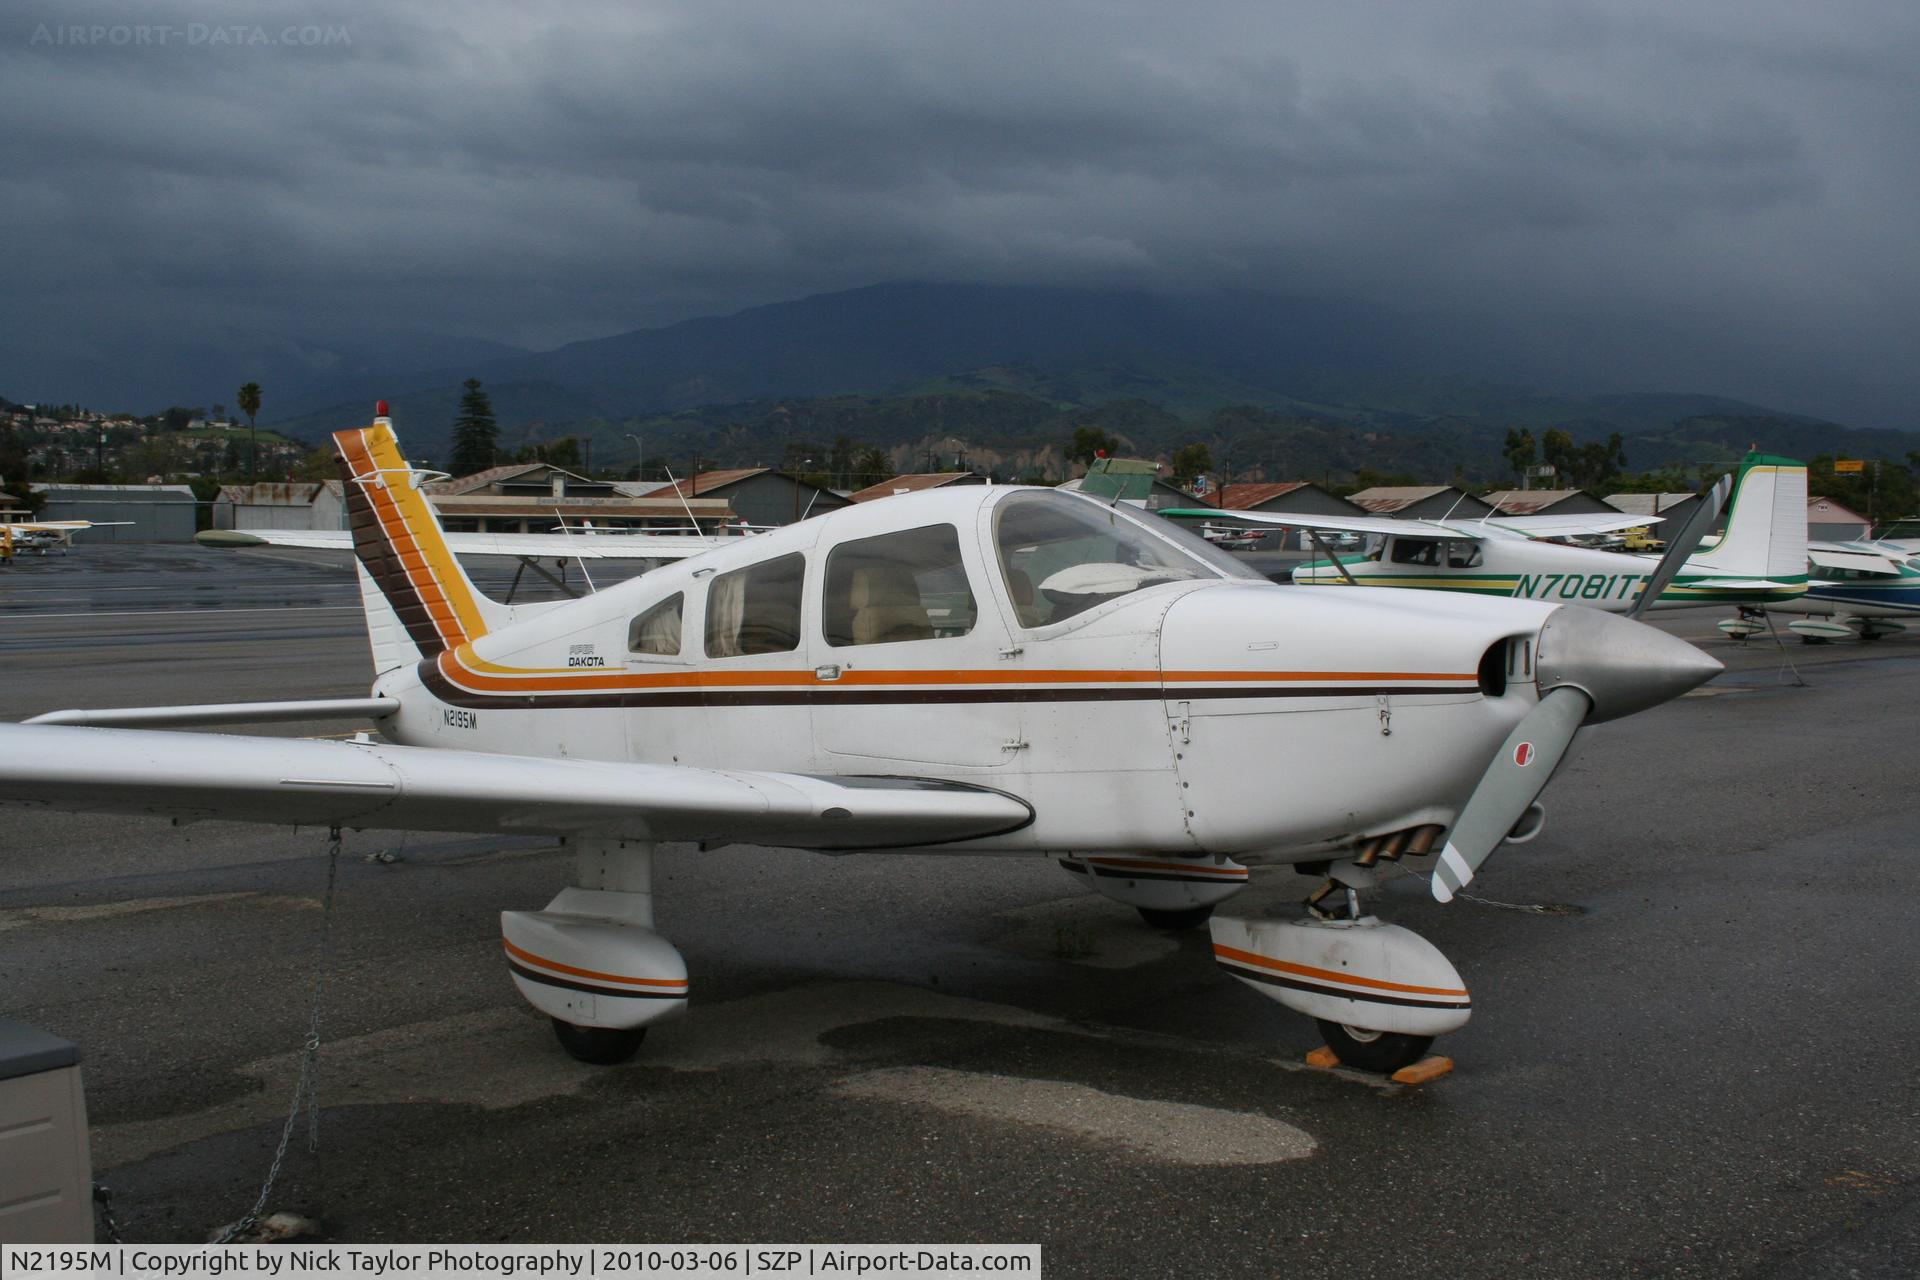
[1760, 560]
[987, 670]
[20, 536]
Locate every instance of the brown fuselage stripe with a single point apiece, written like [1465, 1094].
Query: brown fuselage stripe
[828, 696]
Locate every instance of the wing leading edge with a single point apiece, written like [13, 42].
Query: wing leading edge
[1492, 526]
[369, 785]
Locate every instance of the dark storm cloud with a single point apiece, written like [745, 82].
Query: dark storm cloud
[1714, 197]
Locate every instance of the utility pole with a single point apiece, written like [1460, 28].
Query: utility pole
[639, 458]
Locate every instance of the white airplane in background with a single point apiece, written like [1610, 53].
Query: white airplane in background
[1760, 560]
[990, 670]
[18, 536]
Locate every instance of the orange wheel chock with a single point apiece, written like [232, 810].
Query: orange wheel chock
[1424, 1070]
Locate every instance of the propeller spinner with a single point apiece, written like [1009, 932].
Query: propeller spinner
[1592, 666]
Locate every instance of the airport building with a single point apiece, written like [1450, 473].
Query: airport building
[538, 497]
[134, 512]
[1549, 502]
[916, 483]
[281, 505]
[1830, 521]
[1422, 502]
[1674, 509]
[760, 495]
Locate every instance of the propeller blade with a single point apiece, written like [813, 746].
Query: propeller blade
[1515, 779]
[1683, 545]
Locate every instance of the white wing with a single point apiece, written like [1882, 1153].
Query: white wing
[599, 545]
[1566, 526]
[1495, 526]
[1822, 558]
[308, 782]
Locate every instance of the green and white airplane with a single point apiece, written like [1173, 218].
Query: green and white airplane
[1761, 559]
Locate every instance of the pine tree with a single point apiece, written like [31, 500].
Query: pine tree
[474, 432]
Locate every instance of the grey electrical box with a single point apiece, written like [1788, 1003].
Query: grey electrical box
[46, 1174]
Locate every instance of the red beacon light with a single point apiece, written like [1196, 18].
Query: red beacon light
[379, 408]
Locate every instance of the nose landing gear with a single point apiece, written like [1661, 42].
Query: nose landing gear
[1379, 993]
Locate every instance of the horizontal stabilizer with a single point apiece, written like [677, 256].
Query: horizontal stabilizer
[1741, 584]
[308, 782]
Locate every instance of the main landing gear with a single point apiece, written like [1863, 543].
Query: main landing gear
[1379, 993]
[591, 961]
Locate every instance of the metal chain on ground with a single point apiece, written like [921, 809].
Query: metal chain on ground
[103, 1211]
[1529, 908]
[306, 1094]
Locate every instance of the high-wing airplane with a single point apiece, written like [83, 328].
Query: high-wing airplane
[990, 670]
[1855, 590]
[43, 536]
[1760, 560]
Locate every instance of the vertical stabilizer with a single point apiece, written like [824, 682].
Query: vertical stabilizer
[1766, 533]
[419, 600]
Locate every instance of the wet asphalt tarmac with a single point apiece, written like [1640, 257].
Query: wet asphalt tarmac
[1698, 1057]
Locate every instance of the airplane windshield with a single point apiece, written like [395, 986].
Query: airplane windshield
[1063, 555]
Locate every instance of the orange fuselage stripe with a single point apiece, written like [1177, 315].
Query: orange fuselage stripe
[454, 665]
[670, 984]
[1326, 975]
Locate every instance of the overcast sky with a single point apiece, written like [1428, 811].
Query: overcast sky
[1704, 197]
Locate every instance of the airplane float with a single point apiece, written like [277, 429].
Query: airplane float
[992, 670]
[1759, 561]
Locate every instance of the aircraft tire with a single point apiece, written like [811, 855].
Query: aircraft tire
[601, 1046]
[1184, 918]
[1382, 1051]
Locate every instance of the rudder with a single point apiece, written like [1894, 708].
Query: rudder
[1766, 535]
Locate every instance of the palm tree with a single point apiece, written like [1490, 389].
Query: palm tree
[250, 405]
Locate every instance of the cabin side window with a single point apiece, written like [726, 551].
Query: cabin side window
[1463, 555]
[1416, 551]
[900, 586]
[756, 609]
[657, 631]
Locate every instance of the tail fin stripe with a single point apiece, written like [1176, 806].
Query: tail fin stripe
[421, 531]
[397, 536]
[388, 577]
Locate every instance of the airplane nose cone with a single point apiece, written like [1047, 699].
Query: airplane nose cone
[1622, 665]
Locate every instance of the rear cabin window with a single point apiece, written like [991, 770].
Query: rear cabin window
[657, 631]
[756, 609]
[901, 586]
[1463, 555]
